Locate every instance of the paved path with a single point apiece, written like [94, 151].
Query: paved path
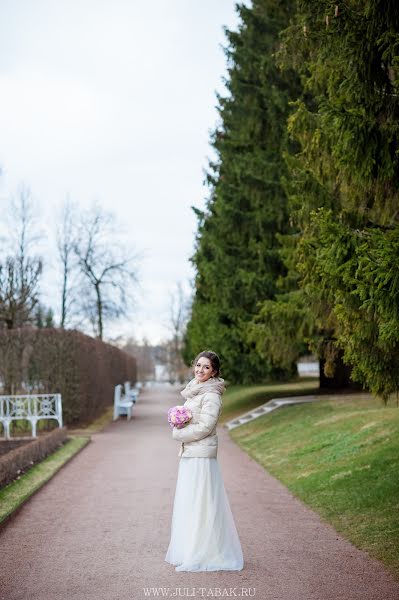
[100, 528]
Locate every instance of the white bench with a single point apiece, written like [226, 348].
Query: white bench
[122, 405]
[131, 393]
[32, 408]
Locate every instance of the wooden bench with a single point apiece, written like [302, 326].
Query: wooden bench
[32, 408]
[122, 405]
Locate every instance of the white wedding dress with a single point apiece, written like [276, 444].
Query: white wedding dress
[203, 533]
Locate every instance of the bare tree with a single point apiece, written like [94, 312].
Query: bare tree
[23, 227]
[66, 253]
[178, 315]
[18, 291]
[20, 273]
[107, 269]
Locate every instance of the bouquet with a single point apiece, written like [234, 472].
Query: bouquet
[178, 416]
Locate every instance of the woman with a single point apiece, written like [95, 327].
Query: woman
[203, 533]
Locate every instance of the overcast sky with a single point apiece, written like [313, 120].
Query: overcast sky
[113, 101]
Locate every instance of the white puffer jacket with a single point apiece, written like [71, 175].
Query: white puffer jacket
[198, 438]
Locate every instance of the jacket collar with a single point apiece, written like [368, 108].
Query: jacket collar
[193, 388]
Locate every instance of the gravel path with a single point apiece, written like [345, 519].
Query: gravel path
[100, 528]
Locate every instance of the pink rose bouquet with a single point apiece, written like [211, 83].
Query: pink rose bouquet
[178, 416]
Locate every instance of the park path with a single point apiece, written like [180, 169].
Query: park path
[100, 528]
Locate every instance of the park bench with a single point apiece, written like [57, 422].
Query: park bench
[122, 404]
[32, 408]
[131, 393]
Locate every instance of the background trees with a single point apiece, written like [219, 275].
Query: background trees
[178, 315]
[107, 268]
[97, 268]
[298, 244]
[20, 268]
[18, 291]
[237, 256]
[344, 179]
[66, 257]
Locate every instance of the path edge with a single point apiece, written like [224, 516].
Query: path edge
[8, 518]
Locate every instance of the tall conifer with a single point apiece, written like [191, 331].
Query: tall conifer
[237, 255]
[343, 187]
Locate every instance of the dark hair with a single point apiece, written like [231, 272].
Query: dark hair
[214, 359]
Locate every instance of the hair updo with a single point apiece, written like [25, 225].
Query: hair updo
[214, 360]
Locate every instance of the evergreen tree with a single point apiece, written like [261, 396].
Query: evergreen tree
[343, 185]
[44, 317]
[237, 256]
[39, 316]
[49, 320]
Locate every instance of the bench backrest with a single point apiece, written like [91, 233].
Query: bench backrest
[45, 406]
[32, 407]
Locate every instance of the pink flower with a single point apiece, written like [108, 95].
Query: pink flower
[178, 416]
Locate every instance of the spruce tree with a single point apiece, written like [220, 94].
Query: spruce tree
[237, 256]
[344, 182]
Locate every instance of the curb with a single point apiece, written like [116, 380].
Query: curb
[275, 403]
[269, 406]
[8, 518]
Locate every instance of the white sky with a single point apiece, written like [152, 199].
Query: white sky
[114, 101]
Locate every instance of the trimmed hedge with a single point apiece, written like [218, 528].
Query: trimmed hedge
[32, 452]
[83, 369]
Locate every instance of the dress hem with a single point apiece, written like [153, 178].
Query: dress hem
[210, 568]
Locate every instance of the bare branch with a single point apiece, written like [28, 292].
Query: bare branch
[18, 291]
[178, 316]
[23, 228]
[106, 265]
[21, 271]
[66, 256]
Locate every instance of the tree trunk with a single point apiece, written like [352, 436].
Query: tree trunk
[99, 311]
[64, 299]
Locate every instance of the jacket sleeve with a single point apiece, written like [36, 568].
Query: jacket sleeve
[207, 420]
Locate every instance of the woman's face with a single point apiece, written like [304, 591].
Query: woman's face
[203, 369]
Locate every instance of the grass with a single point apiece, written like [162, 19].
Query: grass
[17, 492]
[340, 457]
[239, 399]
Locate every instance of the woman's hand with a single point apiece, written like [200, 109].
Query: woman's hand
[207, 420]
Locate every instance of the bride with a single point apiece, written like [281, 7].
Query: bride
[203, 533]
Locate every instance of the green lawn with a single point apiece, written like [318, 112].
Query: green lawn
[18, 491]
[342, 459]
[239, 399]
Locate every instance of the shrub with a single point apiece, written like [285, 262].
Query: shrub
[82, 369]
